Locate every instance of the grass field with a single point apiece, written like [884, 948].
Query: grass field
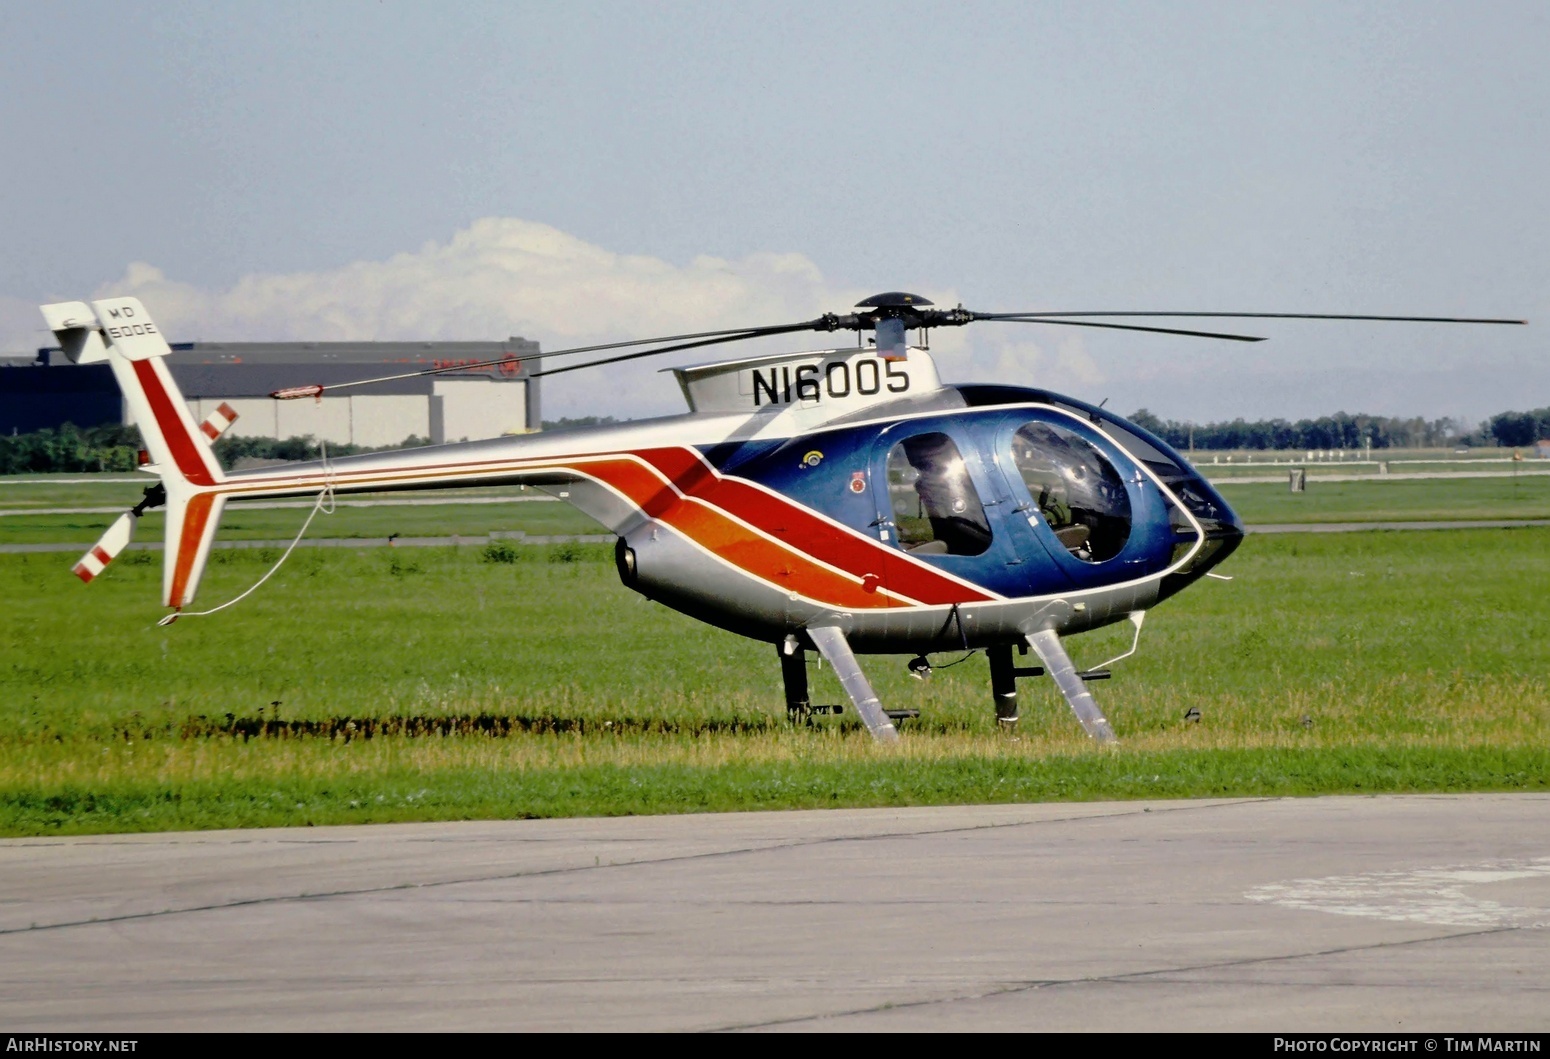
[1391, 500]
[1379, 500]
[241, 522]
[428, 683]
[1354, 461]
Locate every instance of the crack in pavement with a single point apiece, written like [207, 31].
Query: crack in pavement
[1129, 977]
[276, 899]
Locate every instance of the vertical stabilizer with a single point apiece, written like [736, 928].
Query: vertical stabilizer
[191, 527]
[121, 333]
[176, 443]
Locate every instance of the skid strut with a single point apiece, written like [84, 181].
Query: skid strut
[1046, 644]
[793, 675]
[1003, 681]
[831, 643]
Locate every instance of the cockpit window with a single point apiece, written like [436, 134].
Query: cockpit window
[936, 510]
[1074, 488]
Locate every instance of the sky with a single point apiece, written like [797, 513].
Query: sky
[596, 171]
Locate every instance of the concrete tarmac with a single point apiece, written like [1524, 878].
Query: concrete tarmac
[1412, 914]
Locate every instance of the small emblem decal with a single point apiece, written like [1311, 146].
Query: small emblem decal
[858, 482]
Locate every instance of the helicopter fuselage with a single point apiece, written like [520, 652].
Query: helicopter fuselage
[914, 517]
[967, 550]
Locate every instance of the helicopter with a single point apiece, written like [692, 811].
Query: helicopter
[844, 501]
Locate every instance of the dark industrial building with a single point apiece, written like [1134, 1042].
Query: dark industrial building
[461, 403]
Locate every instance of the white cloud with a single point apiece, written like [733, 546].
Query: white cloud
[499, 276]
[1007, 355]
[504, 276]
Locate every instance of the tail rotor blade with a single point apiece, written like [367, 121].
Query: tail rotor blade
[219, 421]
[115, 540]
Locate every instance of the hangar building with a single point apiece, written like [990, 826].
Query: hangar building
[460, 403]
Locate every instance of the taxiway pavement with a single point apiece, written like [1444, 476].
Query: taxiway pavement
[1411, 914]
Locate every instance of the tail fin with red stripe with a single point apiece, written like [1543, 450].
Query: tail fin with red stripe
[120, 333]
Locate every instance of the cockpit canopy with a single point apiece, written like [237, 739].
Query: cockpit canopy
[1071, 486]
[1074, 489]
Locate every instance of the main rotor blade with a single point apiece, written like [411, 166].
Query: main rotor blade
[1014, 319]
[733, 335]
[1260, 316]
[738, 337]
[734, 332]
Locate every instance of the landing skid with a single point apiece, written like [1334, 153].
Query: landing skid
[831, 643]
[1004, 673]
[1052, 653]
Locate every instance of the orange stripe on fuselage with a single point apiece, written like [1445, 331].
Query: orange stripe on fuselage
[807, 532]
[723, 536]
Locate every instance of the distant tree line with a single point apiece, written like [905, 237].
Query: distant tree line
[1346, 431]
[231, 449]
[117, 448]
[1520, 428]
[568, 422]
[70, 448]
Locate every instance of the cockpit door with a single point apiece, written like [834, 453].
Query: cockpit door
[1075, 499]
[939, 500]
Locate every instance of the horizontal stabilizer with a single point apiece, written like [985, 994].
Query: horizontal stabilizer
[130, 329]
[77, 332]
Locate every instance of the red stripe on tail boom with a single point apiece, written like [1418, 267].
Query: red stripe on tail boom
[185, 451]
